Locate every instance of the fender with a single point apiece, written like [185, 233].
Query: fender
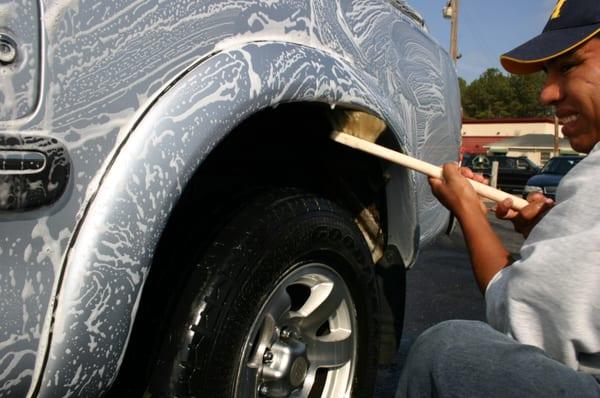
[107, 265]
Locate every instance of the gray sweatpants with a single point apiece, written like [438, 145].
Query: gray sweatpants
[468, 359]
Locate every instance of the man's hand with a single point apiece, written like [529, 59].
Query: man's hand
[528, 217]
[455, 192]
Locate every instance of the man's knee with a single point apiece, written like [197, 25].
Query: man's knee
[436, 356]
[446, 343]
[466, 358]
[450, 334]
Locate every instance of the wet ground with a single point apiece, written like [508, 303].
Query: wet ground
[440, 287]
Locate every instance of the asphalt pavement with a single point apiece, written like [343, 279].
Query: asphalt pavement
[441, 286]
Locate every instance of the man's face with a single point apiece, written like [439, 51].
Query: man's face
[573, 88]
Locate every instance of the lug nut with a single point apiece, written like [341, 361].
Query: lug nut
[286, 333]
[268, 356]
[263, 389]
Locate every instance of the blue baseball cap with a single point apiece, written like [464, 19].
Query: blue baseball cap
[572, 23]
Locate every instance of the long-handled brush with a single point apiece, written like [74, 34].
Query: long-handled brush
[360, 130]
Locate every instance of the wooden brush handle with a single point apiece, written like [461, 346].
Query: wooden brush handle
[423, 167]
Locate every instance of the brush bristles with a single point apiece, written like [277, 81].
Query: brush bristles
[358, 124]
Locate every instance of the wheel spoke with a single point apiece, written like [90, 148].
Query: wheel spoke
[332, 350]
[325, 298]
[279, 304]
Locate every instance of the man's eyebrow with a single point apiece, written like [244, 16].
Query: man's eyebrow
[552, 62]
[567, 57]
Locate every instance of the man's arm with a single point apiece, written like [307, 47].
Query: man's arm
[488, 254]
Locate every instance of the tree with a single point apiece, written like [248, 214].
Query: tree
[527, 90]
[495, 95]
[462, 85]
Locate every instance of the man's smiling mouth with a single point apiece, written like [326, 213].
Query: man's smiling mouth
[568, 119]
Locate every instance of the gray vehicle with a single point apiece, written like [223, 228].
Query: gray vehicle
[174, 219]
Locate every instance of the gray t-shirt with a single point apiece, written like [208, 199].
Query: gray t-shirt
[550, 298]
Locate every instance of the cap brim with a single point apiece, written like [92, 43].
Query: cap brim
[531, 56]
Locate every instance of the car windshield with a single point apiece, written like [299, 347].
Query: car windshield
[559, 165]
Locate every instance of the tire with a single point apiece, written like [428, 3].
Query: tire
[282, 303]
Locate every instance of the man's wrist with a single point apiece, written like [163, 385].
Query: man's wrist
[469, 213]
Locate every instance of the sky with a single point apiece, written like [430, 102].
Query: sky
[486, 29]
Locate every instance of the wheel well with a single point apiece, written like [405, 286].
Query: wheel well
[286, 146]
[282, 147]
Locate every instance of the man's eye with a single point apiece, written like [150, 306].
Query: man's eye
[567, 67]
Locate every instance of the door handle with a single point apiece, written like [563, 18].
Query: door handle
[34, 171]
[21, 162]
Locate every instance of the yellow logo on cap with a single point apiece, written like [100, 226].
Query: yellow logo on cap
[557, 8]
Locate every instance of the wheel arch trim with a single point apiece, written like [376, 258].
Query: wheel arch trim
[111, 255]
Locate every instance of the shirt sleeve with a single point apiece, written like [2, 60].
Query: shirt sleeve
[550, 298]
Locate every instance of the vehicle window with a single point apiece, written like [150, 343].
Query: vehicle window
[559, 166]
[507, 163]
[523, 164]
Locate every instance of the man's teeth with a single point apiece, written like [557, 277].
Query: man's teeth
[568, 119]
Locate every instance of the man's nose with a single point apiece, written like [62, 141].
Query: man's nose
[551, 92]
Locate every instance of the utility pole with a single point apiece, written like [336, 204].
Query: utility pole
[451, 12]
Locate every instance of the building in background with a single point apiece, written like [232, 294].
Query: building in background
[533, 137]
[537, 147]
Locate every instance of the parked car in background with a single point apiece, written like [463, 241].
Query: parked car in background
[513, 172]
[174, 217]
[549, 177]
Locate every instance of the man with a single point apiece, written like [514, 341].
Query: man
[543, 311]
